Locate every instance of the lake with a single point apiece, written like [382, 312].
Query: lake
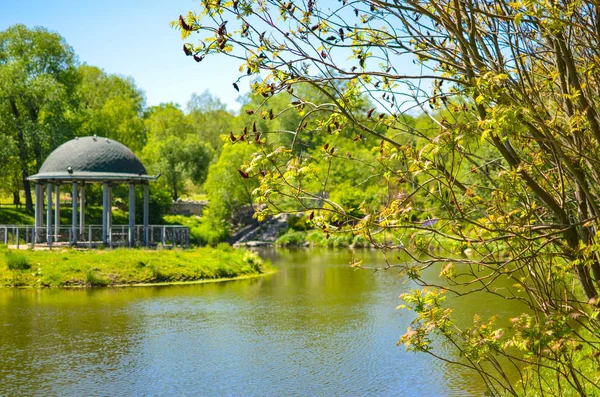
[315, 328]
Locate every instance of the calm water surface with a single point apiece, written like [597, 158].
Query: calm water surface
[315, 328]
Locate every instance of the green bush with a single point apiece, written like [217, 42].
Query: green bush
[299, 223]
[202, 230]
[316, 238]
[16, 261]
[340, 240]
[291, 238]
[225, 247]
[93, 280]
[360, 241]
[157, 273]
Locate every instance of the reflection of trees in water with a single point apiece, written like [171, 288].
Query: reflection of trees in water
[315, 322]
[56, 337]
[321, 282]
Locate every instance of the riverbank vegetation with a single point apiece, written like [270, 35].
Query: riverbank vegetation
[121, 267]
[490, 142]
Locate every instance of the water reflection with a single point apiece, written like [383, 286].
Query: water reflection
[317, 327]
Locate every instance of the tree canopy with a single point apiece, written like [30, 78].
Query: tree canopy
[174, 148]
[502, 159]
[37, 78]
[110, 106]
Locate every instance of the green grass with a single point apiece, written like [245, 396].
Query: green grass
[69, 267]
[13, 216]
[93, 215]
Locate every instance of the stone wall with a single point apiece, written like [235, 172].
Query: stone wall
[188, 208]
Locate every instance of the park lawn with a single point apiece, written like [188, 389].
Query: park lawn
[93, 215]
[125, 266]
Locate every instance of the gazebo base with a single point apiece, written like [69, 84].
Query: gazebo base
[91, 236]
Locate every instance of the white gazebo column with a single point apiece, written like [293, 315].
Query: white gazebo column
[57, 212]
[82, 209]
[74, 214]
[49, 215]
[39, 211]
[110, 214]
[131, 214]
[109, 219]
[146, 202]
[105, 213]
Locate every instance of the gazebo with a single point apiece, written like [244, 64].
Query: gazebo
[84, 161]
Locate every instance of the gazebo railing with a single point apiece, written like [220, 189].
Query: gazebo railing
[91, 235]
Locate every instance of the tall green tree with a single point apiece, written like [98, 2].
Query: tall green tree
[509, 160]
[37, 78]
[174, 149]
[227, 189]
[110, 105]
[210, 119]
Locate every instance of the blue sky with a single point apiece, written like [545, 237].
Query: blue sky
[131, 38]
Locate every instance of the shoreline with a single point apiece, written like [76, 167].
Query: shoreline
[158, 284]
[124, 267]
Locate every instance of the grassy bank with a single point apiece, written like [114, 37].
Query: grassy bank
[68, 267]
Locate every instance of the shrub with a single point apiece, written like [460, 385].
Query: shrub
[299, 223]
[291, 238]
[157, 273]
[225, 247]
[16, 261]
[94, 280]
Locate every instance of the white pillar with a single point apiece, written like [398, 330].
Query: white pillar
[110, 220]
[74, 214]
[38, 198]
[110, 203]
[49, 214]
[131, 214]
[82, 209]
[105, 212]
[39, 211]
[57, 212]
[146, 203]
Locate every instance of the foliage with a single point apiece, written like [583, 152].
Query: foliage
[227, 190]
[16, 262]
[13, 216]
[66, 267]
[109, 106]
[209, 119]
[197, 237]
[504, 155]
[299, 223]
[159, 204]
[37, 79]
[174, 149]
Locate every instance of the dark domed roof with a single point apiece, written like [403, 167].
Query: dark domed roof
[92, 159]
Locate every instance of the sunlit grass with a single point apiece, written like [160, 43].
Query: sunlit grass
[70, 267]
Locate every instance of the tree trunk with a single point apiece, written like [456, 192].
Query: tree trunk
[16, 199]
[581, 271]
[175, 192]
[27, 189]
[22, 157]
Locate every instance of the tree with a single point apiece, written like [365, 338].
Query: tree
[227, 189]
[210, 119]
[509, 159]
[173, 149]
[37, 78]
[110, 106]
